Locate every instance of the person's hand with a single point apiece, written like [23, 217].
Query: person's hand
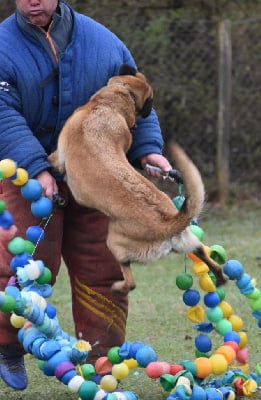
[157, 160]
[48, 183]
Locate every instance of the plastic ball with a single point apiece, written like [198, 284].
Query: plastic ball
[184, 281]
[214, 314]
[120, 371]
[206, 283]
[203, 343]
[113, 355]
[214, 394]
[51, 311]
[87, 390]
[243, 281]
[221, 292]
[21, 177]
[198, 393]
[191, 297]
[228, 352]
[242, 356]
[42, 208]
[200, 268]
[218, 363]
[35, 234]
[233, 269]
[103, 365]
[255, 304]
[203, 367]
[2, 206]
[196, 314]
[6, 219]
[7, 304]
[211, 299]
[131, 363]
[108, 383]
[16, 245]
[237, 322]
[17, 321]
[46, 277]
[8, 167]
[87, 371]
[197, 231]
[32, 190]
[243, 339]
[232, 336]
[156, 368]
[226, 309]
[218, 254]
[145, 355]
[223, 326]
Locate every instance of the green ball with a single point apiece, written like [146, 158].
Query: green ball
[221, 293]
[189, 366]
[2, 206]
[46, 277]
[201, 354]
[8, 304]
[224, 326]
[88, 371]
[29, 247]
[184, 281]
[87, 390]
[113, 355]
[16, 245]
[214, 314]
[197, 231]
[218, 254]
[167, 382]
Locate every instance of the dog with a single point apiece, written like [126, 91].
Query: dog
[144, 225]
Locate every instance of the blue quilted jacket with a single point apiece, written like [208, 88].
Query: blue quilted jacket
[36, 100]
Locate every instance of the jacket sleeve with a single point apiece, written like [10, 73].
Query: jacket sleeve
[17, 140]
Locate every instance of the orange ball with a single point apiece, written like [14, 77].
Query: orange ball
[203, 366]
[228, 352]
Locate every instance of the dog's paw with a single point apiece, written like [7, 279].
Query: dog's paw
[120, 288]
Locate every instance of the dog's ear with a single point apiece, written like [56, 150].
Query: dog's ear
[126, 69]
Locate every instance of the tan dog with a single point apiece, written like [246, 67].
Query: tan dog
[144, 224]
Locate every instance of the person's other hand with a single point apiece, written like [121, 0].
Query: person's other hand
[48, 183]
[157, 160]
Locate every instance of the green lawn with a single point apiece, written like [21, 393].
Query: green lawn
[157, 314]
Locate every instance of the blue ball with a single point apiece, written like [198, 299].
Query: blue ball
[198, 393]
[50, 311]
[6, 220]
[20, 260]
[191, 297]
[145, 355]
[233, 269]
[211, 299]
[243, 281]
[203, 343]
[259, 323]
[130, 395]
[32, 190]
[232, 337]
[35, 234]
[214, 394]
[42, 208]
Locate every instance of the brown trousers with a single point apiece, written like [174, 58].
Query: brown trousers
[78, 235]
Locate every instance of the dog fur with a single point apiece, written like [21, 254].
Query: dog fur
[144, 224]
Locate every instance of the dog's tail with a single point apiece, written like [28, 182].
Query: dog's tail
[193, 185]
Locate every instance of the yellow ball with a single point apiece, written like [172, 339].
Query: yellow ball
[219, 364]
[108, 383]
[226, 308]
[8, 167]
[206, 283]
[21, 177]
[131, 363]
[120, 371]
[17, 321]
[243, 339]
[237, 323]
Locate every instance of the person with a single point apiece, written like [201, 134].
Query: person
[53, 60]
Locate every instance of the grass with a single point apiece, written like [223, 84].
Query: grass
[157, 315]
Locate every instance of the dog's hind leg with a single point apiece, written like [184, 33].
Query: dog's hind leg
[201, 253]
[123, 287]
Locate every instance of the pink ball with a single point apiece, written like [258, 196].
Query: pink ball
[242, 356]
[157, 368]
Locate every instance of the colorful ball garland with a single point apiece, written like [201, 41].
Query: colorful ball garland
[63, 356]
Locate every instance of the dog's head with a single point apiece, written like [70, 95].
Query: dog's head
[138, 87]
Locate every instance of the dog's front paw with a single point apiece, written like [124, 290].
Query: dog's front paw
[121, 288]
[221, 279]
